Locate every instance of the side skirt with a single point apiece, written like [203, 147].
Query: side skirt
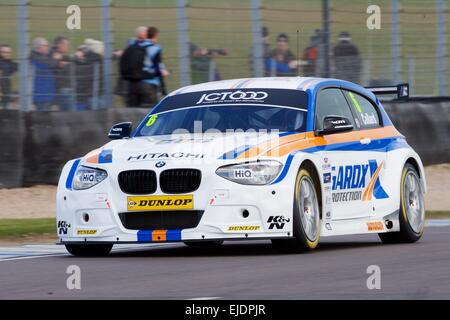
[388, 223]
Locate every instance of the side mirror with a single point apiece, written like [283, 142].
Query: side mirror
[335, 124]
[120, 131]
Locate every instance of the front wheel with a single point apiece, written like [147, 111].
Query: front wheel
[306, 217]
[89, 250]
[412, 209]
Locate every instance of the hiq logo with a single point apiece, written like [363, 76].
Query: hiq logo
[354, 177]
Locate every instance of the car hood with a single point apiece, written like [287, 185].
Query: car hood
[187, 147]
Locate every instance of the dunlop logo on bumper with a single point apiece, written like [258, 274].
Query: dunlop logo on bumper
[160, 203]
[244, 228]
[84, 232]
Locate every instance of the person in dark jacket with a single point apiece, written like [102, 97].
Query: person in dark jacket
[7, 69]
[44, 80]
[202, 67]
[89, 68]
[65, 74]
[347, 61]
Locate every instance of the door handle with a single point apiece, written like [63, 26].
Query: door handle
[365, 140]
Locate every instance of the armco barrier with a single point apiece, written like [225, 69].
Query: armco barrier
[35, 145]
[426, 125]
[11, 149]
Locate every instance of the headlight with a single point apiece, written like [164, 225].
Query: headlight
[86, 178]
[260, 172]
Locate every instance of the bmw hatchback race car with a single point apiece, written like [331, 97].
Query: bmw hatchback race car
[286, 159]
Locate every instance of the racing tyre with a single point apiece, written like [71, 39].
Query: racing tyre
[412, 209]
[89, 250]
[204, 244]
[306, 217]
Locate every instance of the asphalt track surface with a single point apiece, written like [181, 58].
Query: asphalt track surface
[238, 270]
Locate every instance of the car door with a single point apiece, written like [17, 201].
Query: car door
[368, 119]
[346, 157]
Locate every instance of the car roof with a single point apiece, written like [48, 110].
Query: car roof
[294, 83]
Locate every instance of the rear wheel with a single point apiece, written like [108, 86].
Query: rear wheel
[412, 209]
[306, 217]
[204, 244]
[89, 250]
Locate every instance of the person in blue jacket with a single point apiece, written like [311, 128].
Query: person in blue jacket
[43, 70]
[281, 61]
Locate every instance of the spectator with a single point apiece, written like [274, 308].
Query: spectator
[347, 62]
[7, 69]
[266, 48]
[202, 69]
[311, 55]
[89, 66]
[44, 80]
[281, 61]
[144, 76]
[121, 87]
[64, 75]
[161, 72]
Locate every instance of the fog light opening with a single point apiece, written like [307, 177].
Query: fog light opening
[389, 224]
[245, 213]
[85, 217]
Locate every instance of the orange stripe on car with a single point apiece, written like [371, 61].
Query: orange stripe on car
[282, 146]
[92, 157]
[159, 235]
[367, 195]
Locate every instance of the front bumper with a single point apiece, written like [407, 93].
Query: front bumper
[229, 211]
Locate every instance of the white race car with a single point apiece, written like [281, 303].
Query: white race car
[288, 159]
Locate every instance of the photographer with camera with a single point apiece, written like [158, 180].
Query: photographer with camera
[201, 59]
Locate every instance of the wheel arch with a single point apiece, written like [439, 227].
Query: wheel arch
[312, 169]
[417, 164]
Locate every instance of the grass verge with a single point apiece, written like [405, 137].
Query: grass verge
[27, 227]
[438, 214]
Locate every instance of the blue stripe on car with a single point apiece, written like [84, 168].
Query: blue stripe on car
[379, 145]
[173, 235]
[71, 174]
[105, 156]
[144, 235]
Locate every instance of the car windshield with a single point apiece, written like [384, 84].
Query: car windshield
[225, 119]
[267, 110]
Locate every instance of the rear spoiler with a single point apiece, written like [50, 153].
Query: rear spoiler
[401, 90]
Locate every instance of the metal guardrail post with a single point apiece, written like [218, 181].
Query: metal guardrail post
[258, 51]
[107, 33]
[441, 47]
[395, 41]
[411, 75]
[326, 37]
[212, 70]
[183, 44]
[96, 87]
[23, 51]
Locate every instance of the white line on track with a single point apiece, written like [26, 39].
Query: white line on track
[205, 298]
[53, 250]
[438, 223]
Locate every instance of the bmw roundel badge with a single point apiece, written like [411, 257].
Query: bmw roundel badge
[160, 164]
